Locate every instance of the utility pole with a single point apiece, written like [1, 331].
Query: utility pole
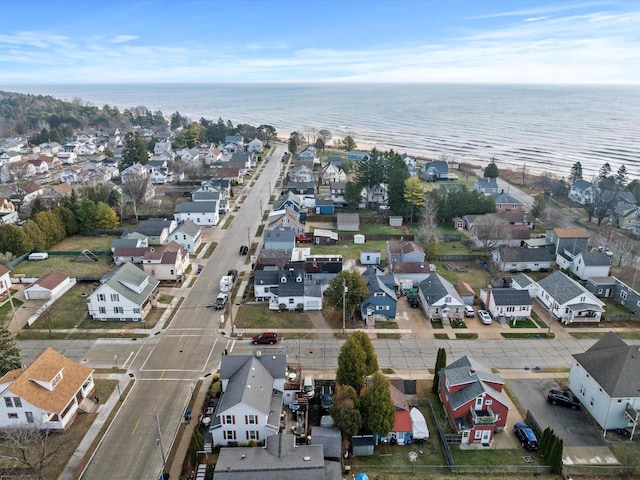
[344, 303]
[524, 169]
[164, 459]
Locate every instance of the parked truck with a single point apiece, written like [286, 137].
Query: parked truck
[226, 283]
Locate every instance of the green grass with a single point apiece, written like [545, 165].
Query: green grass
[491, 457]
[436, 324]
[466, 336]
[165, 298]
[386, 325]
[614, 308]
[528, 335]
[227, 223]
[388, 371]
[477, 277]
[210, 250]
[351, 251]
[6, 312]
[441, 336]
[259, 316]
[79, 243]
[525, 323]
[389, 336]
[65, 264]
[537, 320]
[69, 311]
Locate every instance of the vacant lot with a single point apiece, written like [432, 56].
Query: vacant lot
[351, 251]
[65, 264]
[259, 316]
[79, 243]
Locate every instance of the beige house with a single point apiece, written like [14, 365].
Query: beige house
[168, 262]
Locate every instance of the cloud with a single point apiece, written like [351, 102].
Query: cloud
[540, 10]
[123, 38]
[535, 19]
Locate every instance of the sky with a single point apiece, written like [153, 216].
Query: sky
[205, 41]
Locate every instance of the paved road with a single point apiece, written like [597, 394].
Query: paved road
[167, 365]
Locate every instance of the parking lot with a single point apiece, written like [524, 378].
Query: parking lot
[571, 425]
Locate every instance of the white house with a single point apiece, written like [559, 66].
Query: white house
[48, 393]
[255, 146]
[5, 281]
[569, 301]
[440, 299]
[370, 257]
[591, 264]
[522, 281]
[511, 259]
[188, 235]
[122, 255]
[332, 173]
[606, 380]
[507, 303]
[124, 295]
[582, 192]
[50, 285]
[8, 212]
[169, 262]
[295, 293]
[251, 400]
[201, 213]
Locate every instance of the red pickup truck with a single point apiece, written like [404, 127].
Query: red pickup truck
[302, 239]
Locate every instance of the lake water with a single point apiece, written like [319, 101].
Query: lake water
[548, 128]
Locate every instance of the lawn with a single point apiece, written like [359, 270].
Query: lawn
[476, 276]
[79, 243]
[65, 264]
[259, 316]
[6, 311]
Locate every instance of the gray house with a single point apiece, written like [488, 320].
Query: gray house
[518, 259]
[280, 239]
[486, 186]
[572, 239]
[404, 251]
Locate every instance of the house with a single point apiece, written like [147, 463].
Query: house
[204, 214]
[49, 393]
[370, 257]
[39, 166]
[519, 259]
[337, 190]
[322, 268]
[302, 174]
[8, 212]
[287, 218]
[404, 251]
[288, 200]
[507, 203]
[582, 192]
[348, 222]
[245, 159]
[233, 143]
[473, 400]
[169, 262]
[507, 304]
[233, 175]
[123, 296]
[486, 186]
[569, 301]
[255, 146]
[573, 238]
[590, 264]
[161, 147]
[376, 195]
[5, 281]
[308, 153]
[280, 459]
[334, 160]
[122, 255]
[49, 286]
[619, 292]
[436, 170]
[325, 206]
[130, 240]
[332, 173]
[457, 223]
[357, 155]
[301, 188]
[266, 283]
[251, 401]
[382, 301]
[439, 299]
[188, 235]
[156, 230]
[606, 380]
[524, 282]
[280, 239]
[324, 237]
[31, 190]
[295, 293]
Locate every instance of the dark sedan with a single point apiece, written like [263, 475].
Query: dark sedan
[566, 399]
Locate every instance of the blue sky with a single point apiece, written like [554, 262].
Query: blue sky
[113, 41]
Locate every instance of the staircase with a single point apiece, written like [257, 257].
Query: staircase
[88, 406]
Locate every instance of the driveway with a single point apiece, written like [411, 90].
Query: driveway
[412, 319]
[571, 425]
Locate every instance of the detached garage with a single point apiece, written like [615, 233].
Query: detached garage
[49, 286]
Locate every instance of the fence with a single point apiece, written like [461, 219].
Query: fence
[620, 318]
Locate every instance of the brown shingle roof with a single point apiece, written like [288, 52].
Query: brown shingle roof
[576, 232]
[44, 369]
[51, 280]
[3, 270]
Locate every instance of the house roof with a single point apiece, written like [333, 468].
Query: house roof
[376, 282]
[464, 289]
[167, 254]
[131, 251]
[581, 185]
[3, 270]
[434, 288]
[397, 247]
[204, 195]
[268, 276]
[251, 384]
[280, 235]
[502, 197]
[330, 438]
[293, 286]
[131, 275]
[571, 232]
[468, 372]
[487, 183]
[286, 198]
[519, 254]
[614, 365]
[44, 369]
[523, 280]
[197, 207]
[188, 228]
[602, 280]
[348, 218]
[50, 280]
[153, 226]
[276, 365]
[441, 166]
[563, 289]
[595, 259]
[510, 296]
[402, 422]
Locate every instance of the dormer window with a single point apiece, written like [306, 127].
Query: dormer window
[56, 380]
[283, 280]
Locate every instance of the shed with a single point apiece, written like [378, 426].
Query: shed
[348, 222]
[362, 445]
[466, 292]
[330, 439]
[324, 237]
[358, 239]
[395, 221]
[50, 285]
[371, 257]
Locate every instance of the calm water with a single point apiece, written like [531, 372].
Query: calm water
[547, 127]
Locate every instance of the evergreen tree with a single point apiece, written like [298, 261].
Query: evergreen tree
[605, 172]
[576, 172]
[37, 206]
[556, 455]
[352, 365]
[378, 411]
[621, 178]
[195, 445]
[441, 362]
[135, 150]
[9, 352]
[396, 178]
[547, 447]
[371, 360]
[13, 239]
[352, 193]
[492, 170]
[544, 440]
[344, 410]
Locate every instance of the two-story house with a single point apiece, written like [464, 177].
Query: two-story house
[332, 173]
[582, 192]
[507, 203]
[205, 214]
[473, 400]
[296, 293]
[188, 235]
[381, 304]
[169, 262]
[123, 296]
[156, 230]
[572, 238]
[337, 193]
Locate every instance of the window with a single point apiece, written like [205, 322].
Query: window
[623, 294]
[477, 434]
[488, 402]
[101, 297]
[511, 309]
[184, 237]
[251, 419]
[115, 297]
[56, 380]
[102, 310]
[8, 402]
[229, 419]
[229, 435]
[17, 402]
[479, 403]
[13, 416]
[136, 310]
[447, 299]
[591, 402]
[29, 416]
[379, 294]
[253, 435]
[291, 301]
[118, 310]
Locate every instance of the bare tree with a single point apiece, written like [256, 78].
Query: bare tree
[28, 447]
[490, 230]
[429, 222]
[554, 218]
[325, 135]
[135, 186]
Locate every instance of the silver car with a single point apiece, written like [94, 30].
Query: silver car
[484, 317]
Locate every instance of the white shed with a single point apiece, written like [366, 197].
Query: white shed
[358, 239]
[371, 257]
[395, 221]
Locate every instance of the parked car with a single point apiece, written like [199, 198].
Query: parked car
[221, 301]
[302, 239]
[469, 312]
[527, 438]
[484, 317]
[566, 399]
[326, 397]
[414, 302]
[265, 338]
[244, 250]
[233, 273]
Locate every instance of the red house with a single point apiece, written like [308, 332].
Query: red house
[473, 401]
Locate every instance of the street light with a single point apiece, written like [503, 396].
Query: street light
[115, 360]
[164, 459]
[344, 304]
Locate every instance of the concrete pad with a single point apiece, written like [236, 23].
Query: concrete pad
[589, 456]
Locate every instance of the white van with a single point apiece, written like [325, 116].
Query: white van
[38, 256]
[307, 387]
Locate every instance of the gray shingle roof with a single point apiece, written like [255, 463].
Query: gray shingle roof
[154, 226]
[294, 284]
[510, 296]
[434, 287]
[266, 277]
[562, 288]
[519, 254]
[131, 275]
[614, 365]
[197, 207]
[487, 183]
[523, 280]
[596, 259]
[505, 198]
[466, 371]
[188, 227]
